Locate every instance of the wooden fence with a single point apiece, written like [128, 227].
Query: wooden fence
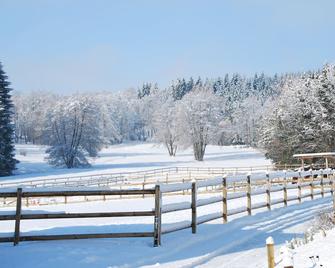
[166, 175]
[19, 194]
[308, 185]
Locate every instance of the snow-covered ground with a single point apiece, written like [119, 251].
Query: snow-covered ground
[239, 243]
[316, 253]
[134, 157]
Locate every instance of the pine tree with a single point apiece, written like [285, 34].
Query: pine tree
[7, 160]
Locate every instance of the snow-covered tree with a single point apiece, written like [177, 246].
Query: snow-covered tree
[7, 160]
[30, 111]
[165, 122]
[199, 118]
[75, 132]
[301, 119]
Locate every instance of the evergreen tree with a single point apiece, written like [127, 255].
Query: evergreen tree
[7, 160]
[146, 90]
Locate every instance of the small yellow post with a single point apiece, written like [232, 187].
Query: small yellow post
[271, 252]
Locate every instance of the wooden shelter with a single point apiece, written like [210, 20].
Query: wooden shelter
[327, 156]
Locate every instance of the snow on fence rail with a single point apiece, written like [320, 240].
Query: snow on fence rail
[317, 182]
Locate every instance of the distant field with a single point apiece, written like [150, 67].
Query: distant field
[134, 157]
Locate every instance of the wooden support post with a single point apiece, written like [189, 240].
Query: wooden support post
[194, 207]
[158, 217]
[285, 191]
[18, 216]
[249, 194]
[183, 190]
[270, 252]
[27, 202]
[268, 192]
[143, 189]
[224, 200]
[299, 187]
[332, 193]
[322, 186]
[65, 199]
[311, 186]
[331, 183]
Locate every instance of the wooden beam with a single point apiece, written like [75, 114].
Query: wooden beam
[18, 216]
[248, 195]
[158, 216]
[194, 207]
[224, 200]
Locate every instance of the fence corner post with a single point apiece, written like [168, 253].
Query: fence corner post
[158, 216]
[270, 252]
[224, 199]
[194, 207]
[18, 216]
[249, 194]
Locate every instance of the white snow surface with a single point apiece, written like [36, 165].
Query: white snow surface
[236, 244]
[239, 243]
[322, 247]
[130, 157]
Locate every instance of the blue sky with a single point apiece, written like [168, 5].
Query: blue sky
[77, 45]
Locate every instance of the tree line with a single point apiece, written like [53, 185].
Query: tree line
[281, 114]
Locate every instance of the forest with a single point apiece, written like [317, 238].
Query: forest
[280, 114]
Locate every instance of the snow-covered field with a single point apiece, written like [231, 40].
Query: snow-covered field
[239, 243]
[134, 157]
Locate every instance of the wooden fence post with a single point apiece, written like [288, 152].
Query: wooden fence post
[285, 190]
[194, 207]
[158, 216]
[321, 185]
[249, 194]
[299, 187]
[270, 252]
[311, 185]
[224, 200]
[331, 183]
[268, 191]
[18, 216]
[332, 193]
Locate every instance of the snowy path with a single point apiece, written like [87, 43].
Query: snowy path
[239, 243]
